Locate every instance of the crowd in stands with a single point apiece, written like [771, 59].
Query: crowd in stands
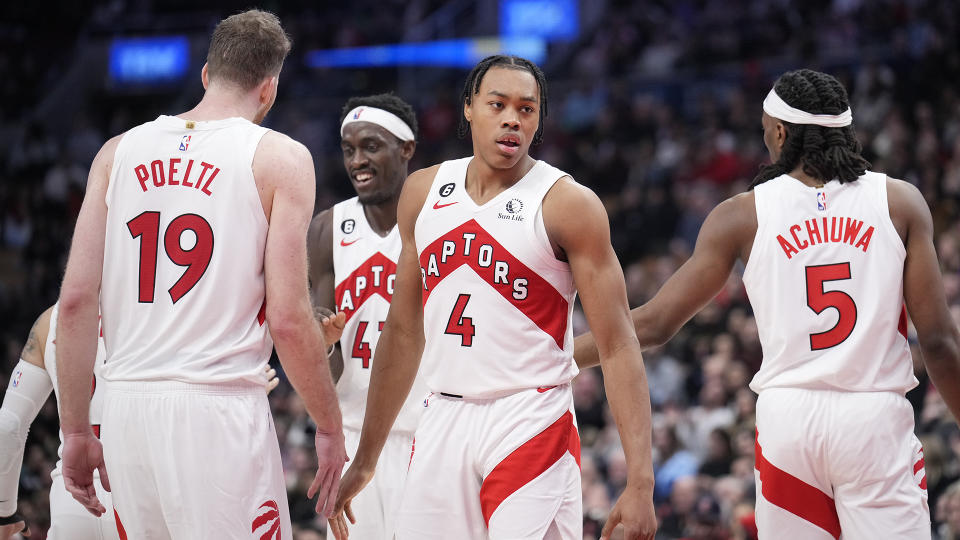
[657, 108]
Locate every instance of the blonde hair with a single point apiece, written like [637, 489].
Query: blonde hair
[246, 48]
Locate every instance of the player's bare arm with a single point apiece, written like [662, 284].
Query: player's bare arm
[923, 292]
[726, 235]
[77, 329]
[16, 415]
[322, 280]
[585, 242]
[284, 170]
[400, 346]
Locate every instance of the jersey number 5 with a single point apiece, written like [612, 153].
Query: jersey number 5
[146, 226]
[818, 301]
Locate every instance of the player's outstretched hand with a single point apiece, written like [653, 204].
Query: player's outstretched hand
[331, 323]
[634, 510]
[331, 455]
[12, 525]
[82, 453]
[272, 380]
[353, 481]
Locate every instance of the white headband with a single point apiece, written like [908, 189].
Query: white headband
[778, 108]
[385, 119]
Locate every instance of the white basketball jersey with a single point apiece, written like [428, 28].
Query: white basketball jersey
[50, 364]
[364, 268]
[182, 294]
[497, 303]
[825, 279]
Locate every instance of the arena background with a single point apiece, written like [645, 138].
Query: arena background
[653, 104]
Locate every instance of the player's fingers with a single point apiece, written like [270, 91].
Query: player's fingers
[324, 504]
[25, 531]
[349, 512]
[334, 489]
[340, 320]
[608, 527]
[104, 478]
[315, 485]
[272, 383]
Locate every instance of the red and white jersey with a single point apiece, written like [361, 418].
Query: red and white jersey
[50, 364]
[182, 294]
[825, 279]
[364, 269]
[497, 303]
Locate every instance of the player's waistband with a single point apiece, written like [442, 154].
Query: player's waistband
[500, 393]
[179, 387]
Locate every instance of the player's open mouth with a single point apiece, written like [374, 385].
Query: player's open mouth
[362, 177]
[509, 144]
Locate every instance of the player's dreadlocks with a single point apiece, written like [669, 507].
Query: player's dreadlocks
[388, 102]
[825, 153]
[472, 87]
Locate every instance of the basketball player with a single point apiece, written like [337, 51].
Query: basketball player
[30, 384]
[492, 246]
[832, 252]
[353, 250]
[176, 241]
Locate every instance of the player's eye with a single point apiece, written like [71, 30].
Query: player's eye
[496, 104]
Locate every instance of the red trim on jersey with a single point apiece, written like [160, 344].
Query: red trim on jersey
[262, 315]
[527, 462]
[542, 304]
[902, 326]
[120, 531]
[799, 498]
[96, 430]
[366, 270]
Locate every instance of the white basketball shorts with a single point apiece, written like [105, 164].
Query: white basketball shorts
[69, 520]
[191, 461]
[833, 465]
[504, 468]
[377, 505]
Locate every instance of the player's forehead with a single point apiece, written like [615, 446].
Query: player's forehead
[355, 133]
[510, 82]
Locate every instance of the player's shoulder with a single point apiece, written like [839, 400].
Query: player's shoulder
[568, 197]
[36, 342]
[276, 145]
[906, 204]
[417, 185]
[320, 225]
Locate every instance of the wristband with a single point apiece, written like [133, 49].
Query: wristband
[12, 518]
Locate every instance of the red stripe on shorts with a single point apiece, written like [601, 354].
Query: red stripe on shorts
[527, 462]
[120, 531]
[796, 496]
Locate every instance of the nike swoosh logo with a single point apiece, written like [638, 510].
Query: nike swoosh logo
[437, 205]
[344, 243]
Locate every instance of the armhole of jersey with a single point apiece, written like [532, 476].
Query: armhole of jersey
[111, 179]
[540, 236]
[431, 191]
[886, 220]
[761, 228]
[255, 144]
[336, 216]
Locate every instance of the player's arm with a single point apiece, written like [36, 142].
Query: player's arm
[29, 388]
[600, 283]
[286, 167]
[923, 293]
[322, 281]
[729, 227]
[399, 348]
[77, 330]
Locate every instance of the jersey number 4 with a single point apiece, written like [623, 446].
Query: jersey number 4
[458, 325]
[818, 301]
[146, 226]
[361, 349]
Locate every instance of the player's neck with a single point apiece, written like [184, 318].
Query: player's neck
[218, 103]
[805, 178]
[382, 217]
[484, 182]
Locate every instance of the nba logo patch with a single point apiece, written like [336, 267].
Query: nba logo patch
[356, 115]
[184, 143]
[15, 380]
[821, 201]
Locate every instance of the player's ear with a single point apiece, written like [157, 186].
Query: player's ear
[466, 110]
[407, 149]
[268, 90]
[781, 135]
[205, 76]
